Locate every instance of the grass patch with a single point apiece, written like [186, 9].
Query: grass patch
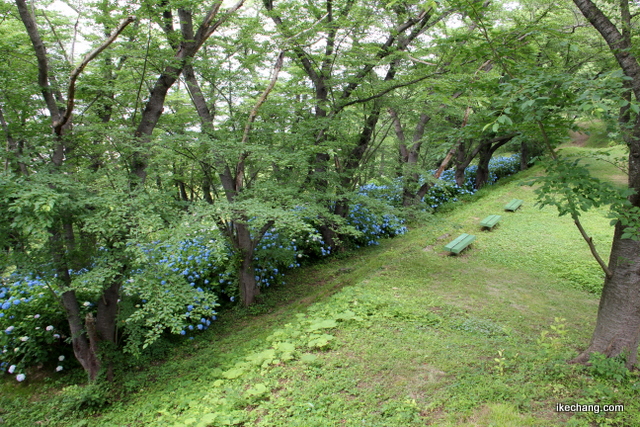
[397, 335]
[604, 164]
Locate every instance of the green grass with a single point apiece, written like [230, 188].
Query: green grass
[601, 162]
[397, 335]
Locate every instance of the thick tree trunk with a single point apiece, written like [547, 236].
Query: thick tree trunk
[524, 155]
[617, 330]
[482, 174]
[86, 353]
[249, 289]
[105, 322]
[486, 151]
[461, 163]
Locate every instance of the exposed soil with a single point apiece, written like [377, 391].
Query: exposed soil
[578, 138]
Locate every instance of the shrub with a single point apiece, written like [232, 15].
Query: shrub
[32, 326]
[373, 226]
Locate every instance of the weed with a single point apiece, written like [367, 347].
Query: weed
[609, 368]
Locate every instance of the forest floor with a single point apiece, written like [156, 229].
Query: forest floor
[402, 334]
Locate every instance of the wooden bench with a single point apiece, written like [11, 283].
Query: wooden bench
[490, 221]
[513, 205]
[460, 242]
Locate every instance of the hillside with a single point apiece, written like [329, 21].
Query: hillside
[398, 335]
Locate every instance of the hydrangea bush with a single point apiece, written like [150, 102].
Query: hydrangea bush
[373, 226]
[32, 326]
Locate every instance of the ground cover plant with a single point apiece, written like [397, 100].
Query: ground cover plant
[399, 334]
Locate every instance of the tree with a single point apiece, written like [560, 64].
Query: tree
[617, 330]
[79, 215]
[344, 76]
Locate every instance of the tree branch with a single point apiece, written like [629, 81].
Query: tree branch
[57, 125]
[41, 55]
[263, 97]
[592, 247]
[252, 116]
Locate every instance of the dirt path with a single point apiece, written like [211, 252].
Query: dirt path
[578, 138]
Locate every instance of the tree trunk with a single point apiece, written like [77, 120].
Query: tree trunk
[105, 322]
[85, 352]
[249, 289]
[408, 160]
[461, 163]
[482, 174]
[486, 151]
[617, 330]
[524, 155]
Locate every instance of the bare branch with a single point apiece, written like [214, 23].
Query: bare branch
[75, 73]
[421, 61]
[592, 247]
[222, 20]
[252, 117]
[53, 30]
[263, 97]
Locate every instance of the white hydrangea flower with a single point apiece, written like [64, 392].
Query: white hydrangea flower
[21, 377]
[24, 339]
[11, 369]
[49, 328]
[61, 358]
[59, 368]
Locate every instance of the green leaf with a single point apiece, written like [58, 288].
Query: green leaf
[324, 324]
[309, 358]
[321, 341]
[233, 373]
[256, 390]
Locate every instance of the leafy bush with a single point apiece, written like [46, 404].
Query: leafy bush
[443, 192]
[391, 193]
[373, 226]
[503, 166]
[32, 326]
[276, 253]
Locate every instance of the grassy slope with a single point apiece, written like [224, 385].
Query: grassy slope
[398, 335]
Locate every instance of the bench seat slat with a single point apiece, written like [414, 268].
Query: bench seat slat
[513, 205]
[459, 243]
[490, 221]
